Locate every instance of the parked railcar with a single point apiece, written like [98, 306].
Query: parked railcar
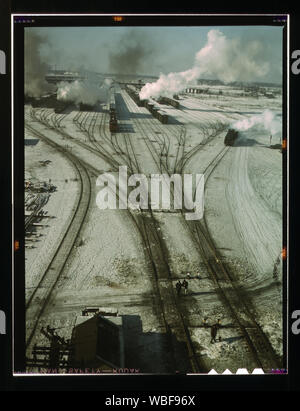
[113, 124]
[173, 103]
[154, 111]
[112, 102]
[169, 101]
[85, 107]
[149, 106]
[231, 137]
[135, 96]
[162, 117]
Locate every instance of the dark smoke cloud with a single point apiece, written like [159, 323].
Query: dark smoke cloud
[132, 54]
[35, 67]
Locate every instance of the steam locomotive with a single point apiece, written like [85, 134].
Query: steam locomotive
[230, 137]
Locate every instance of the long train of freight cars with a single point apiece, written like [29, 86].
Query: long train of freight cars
[159, 114]
[113, 122]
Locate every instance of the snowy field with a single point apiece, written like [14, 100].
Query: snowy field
[111, 268]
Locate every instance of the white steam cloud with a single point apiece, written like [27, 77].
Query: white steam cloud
[86, 92]
[267, 119]
[225, 59]
[78, 92]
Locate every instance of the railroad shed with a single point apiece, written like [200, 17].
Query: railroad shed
[98, 341]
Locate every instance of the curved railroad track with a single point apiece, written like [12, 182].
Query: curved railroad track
[37, 302]
[233, 297]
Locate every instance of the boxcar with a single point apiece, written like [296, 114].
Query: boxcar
[162, 117]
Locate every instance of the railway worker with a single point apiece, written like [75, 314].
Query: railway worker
[188, 276]
[178, 287]
[185, 285]
[214, 331]
[205, 325]
[50, 330]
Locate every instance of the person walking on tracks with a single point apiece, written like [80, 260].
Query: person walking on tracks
[185, 285]
[214, 331]
[205, 325]
[178, 287]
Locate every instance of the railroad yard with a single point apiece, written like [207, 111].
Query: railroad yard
[129, 261]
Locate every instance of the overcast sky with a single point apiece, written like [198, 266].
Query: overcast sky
[152, 50]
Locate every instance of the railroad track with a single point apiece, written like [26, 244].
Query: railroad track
[155, 154]
[210, 132]
[233, 298]
[41, 295]
[104, 153]
[259, 346]
[174, 321]
[170, 317]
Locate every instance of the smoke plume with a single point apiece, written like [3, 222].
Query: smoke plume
[35, 68]
[130, 58]
[78, 92]
[86, 92]
[222, 58]
[267, 120]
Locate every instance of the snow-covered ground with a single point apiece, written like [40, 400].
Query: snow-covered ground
[59, 206]
[243, 201]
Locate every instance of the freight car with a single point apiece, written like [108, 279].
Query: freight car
[169, 101]
[85, 107]
[133, 93]
[60, 107]
[149, 104]
[113, 124]
[230, 137]
[154, 111]
[112, 102]
[162, 117]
